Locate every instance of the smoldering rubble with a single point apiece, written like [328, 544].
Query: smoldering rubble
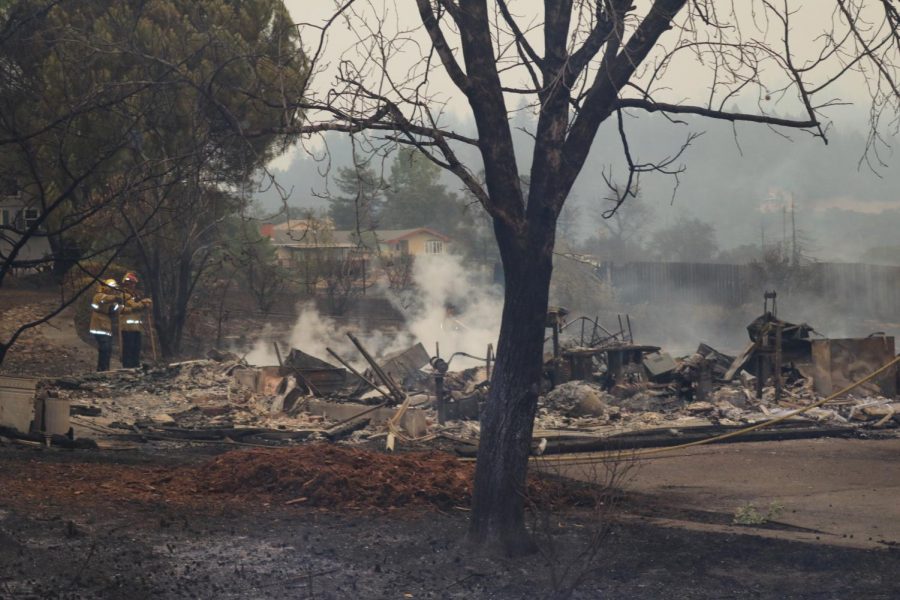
[602, 390]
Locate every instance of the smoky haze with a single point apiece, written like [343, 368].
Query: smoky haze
[748, 193]
[742, 181]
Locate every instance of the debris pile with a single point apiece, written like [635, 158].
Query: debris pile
[200, 393]
[600, 384]
[576, 404]
[602, 378]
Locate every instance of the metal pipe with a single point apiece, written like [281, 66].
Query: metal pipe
[439, 397]
[278, 354]
[396, 392]
[360, 375]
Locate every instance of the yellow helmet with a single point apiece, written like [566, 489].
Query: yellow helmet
[111, 283]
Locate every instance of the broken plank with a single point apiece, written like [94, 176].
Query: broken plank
[739, 362]
[346, 428]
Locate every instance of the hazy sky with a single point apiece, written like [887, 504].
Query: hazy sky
[687, 77]
[783, 167]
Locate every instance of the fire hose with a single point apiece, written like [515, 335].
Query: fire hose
[595, 457]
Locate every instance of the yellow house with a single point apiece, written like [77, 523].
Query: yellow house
[414, 242]
[305, 239]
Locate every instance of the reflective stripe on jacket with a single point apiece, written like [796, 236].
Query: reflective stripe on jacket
[103, 305]
[132, 318]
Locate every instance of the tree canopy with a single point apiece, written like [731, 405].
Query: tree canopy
[689, 239]
[125, 124]
[359, 202]
[415, 196]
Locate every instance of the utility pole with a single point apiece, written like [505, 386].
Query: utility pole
[783, 231]
[795, 254]
[762, 238]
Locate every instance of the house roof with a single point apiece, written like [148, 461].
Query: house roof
[12, 201]
[390, 236]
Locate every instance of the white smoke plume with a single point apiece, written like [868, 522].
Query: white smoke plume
[453, 308]
[448, 307]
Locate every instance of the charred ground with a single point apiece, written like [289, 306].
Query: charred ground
[141, 525]
[193, 519]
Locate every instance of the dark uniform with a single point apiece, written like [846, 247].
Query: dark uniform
[132, 322]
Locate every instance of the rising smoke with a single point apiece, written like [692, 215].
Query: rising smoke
[451, 307]
[447, 307]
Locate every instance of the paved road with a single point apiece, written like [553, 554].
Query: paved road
[848, 489]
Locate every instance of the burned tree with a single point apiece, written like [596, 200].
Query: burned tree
[579, 63]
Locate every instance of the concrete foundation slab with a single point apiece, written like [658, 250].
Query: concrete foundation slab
[414, 422]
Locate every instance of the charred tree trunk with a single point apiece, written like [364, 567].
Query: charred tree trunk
[498, 511]
[66, 254]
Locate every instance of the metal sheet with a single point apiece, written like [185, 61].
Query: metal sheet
[404, 364]
[838, 363]
[17, 402]
[658, 363]
[326, 381]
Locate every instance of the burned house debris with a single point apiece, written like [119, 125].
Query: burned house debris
[601, 387]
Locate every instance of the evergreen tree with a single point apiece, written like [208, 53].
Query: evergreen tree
[415, 197]
[357, 206]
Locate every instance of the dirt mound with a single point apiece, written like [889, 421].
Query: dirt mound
[329, 476]
[320, 476]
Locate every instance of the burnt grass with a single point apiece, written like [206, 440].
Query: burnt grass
[144, 546]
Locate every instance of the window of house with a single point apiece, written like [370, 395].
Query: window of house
[4, 218]
[30, 215]
[434, 247]
[402, 247]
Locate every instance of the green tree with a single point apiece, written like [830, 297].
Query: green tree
[881, 255]
[359, 202]
[620, 235]
[415, 196]
[221, 56]
[254, 259]
[740, 255]
[132, 117]
[67, 133]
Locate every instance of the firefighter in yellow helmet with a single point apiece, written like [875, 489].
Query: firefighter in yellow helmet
[105, 303]
[132, 321]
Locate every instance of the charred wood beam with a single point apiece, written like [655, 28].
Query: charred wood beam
[637, 440]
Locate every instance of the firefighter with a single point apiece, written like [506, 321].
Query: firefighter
[132, 321]
[105, 303]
